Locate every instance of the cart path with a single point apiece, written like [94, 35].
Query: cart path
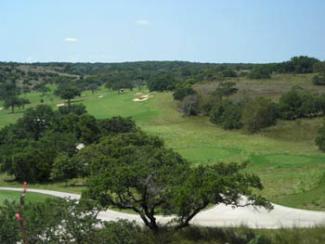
[219, 215]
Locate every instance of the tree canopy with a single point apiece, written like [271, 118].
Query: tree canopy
[135, 171]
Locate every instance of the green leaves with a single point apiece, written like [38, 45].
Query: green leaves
[135, 171]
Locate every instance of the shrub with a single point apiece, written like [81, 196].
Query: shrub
[319, 80]
[298, 103]
[320, 139]
[190, 105]
[259, 113]
[77, 109]
[260, 73]
[182, 92]
[229, 73]
[116, 125]
[227, 114]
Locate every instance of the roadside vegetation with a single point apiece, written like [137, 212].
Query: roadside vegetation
[57, 221]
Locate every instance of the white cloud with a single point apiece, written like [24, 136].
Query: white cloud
[71, 39]
[142, 22]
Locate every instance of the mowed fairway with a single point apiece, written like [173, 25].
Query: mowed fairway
[284, 156]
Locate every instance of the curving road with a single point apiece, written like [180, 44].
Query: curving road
[219, 215]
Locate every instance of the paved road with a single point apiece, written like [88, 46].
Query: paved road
[220, 215]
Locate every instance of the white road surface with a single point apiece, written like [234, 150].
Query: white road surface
[219, 215]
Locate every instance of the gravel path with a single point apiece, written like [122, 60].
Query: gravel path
[219, 215]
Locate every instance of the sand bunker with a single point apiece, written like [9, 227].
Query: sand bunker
[141, 97]
[60, 105]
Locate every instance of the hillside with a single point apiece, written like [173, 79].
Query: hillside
[284, 156]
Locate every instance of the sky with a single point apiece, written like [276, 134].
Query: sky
[215, 31]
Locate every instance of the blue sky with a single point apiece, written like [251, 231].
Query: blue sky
[190, 30]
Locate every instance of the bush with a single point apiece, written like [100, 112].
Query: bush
[260, 73]
[65, 167]
[320, 139]
[116, 125]
[227, 114]
[259, 113]
[229, 73]
[298, 103]
[319, 80]
[182, 92]
[77, 109]
[190, 105]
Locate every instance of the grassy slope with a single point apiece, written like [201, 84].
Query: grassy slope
[284, 156]
[14, 196]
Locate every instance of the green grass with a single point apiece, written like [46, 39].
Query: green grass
[284, 156]
[15, 196]
[71, 186]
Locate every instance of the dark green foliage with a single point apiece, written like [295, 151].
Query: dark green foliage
[55, 221]
[77, 109]
[91, 83]
[32, 161]
[227, 114]
[298, 103]
[182, 92]
[260, 72]
[14, 101]
[88, 130]
[116, 125]
[320, 139]
[229, 73]
[8, 225]
[135, 171]
[190, 105]
[298, 65]
[302, 64]
[161, 82]
[36, 121]
[9, 93]
[64, 167]
[41, 145]
[67, 91]
[259, 113]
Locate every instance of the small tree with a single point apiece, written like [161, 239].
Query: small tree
[259, 113]
[227, 114]
[190, 105]
[67, 92]
[11, 102]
